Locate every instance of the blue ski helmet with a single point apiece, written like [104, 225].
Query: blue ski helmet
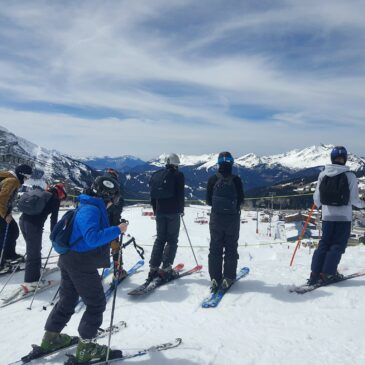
[225, 157]
[336, 153]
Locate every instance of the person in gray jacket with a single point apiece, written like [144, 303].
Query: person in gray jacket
[336, 192]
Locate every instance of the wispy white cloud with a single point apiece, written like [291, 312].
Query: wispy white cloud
[182, 75]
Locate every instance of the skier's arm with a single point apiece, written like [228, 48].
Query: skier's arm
[210, 186]
[316, 196]
[354, 192]
[8, 188]
[240, 193]
[180, 192]
[89, 225]
[153, 203]
[55, 207]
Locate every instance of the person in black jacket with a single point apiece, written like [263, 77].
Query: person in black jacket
[32, 230]
[116, 209]
[225, 196]
[115, 216]
[168, 211]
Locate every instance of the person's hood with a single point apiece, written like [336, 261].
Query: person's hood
[333, 169]
[6, 174]
[93, 200]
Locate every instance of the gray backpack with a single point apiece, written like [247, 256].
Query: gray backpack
[33, 202]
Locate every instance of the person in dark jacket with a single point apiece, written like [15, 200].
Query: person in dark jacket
[225, 196]
[115, 216]
[32, 230]
[336, 218]
[9, 230]
[116, 209]
[167, 212]
[79, 275]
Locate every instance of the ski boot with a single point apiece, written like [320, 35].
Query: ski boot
[214, 286]
[153, 274]
[53, 341]
[225, 284]
[88, 350]
[313, 278]
[168, 274]
[326, 279]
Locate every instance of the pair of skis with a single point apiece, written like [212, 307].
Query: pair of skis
[149, 286]
[38, 354]
[214, 299]
[305, 288]
[109, 291]
[21, 293]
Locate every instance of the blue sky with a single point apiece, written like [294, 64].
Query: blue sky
[148, 77]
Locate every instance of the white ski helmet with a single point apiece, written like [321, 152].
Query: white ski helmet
[172, 159]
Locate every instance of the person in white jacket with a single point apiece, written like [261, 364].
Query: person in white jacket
[336, 192]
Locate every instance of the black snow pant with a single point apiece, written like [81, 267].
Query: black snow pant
[331, 247]
[74, 283]
[224, 234]
[10, 242]
[33, 238]
[165, 246]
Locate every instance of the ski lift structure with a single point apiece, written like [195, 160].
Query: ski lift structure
[201, 218]
[148, 213]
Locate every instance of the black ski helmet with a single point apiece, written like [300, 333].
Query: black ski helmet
[337, 154]
[106, 188]
[225, 157]
[112, 173]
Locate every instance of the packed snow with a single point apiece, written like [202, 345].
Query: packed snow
[258, 322]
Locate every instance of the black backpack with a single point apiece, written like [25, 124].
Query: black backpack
[162, 184]
[334, 190]
[224, 198]
[34, 201]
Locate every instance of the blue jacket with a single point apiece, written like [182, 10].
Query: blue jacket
[92, 224]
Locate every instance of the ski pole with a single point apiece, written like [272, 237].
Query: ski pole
[302, 233]
[4, 241]
[116, 279]
[40, 279]
[187, 234]
[11, 275]
[52, 302]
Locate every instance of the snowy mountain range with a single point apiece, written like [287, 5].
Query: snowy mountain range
[122, 163]
[309, 157]
[49, 165]
[257, 172]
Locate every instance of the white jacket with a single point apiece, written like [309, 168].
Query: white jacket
[342, 213]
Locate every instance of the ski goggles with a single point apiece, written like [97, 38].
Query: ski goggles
[225, 159]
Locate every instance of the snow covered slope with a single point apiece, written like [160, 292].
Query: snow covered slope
[257, 323]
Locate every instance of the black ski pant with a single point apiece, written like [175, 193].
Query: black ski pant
[75, 284]
[33, 238]
[165, 246]
[331, 247]
[224, 235]
[11, 237]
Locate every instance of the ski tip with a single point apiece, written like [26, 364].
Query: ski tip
[179, 266]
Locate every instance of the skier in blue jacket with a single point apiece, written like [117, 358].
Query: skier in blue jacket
[79, 274]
